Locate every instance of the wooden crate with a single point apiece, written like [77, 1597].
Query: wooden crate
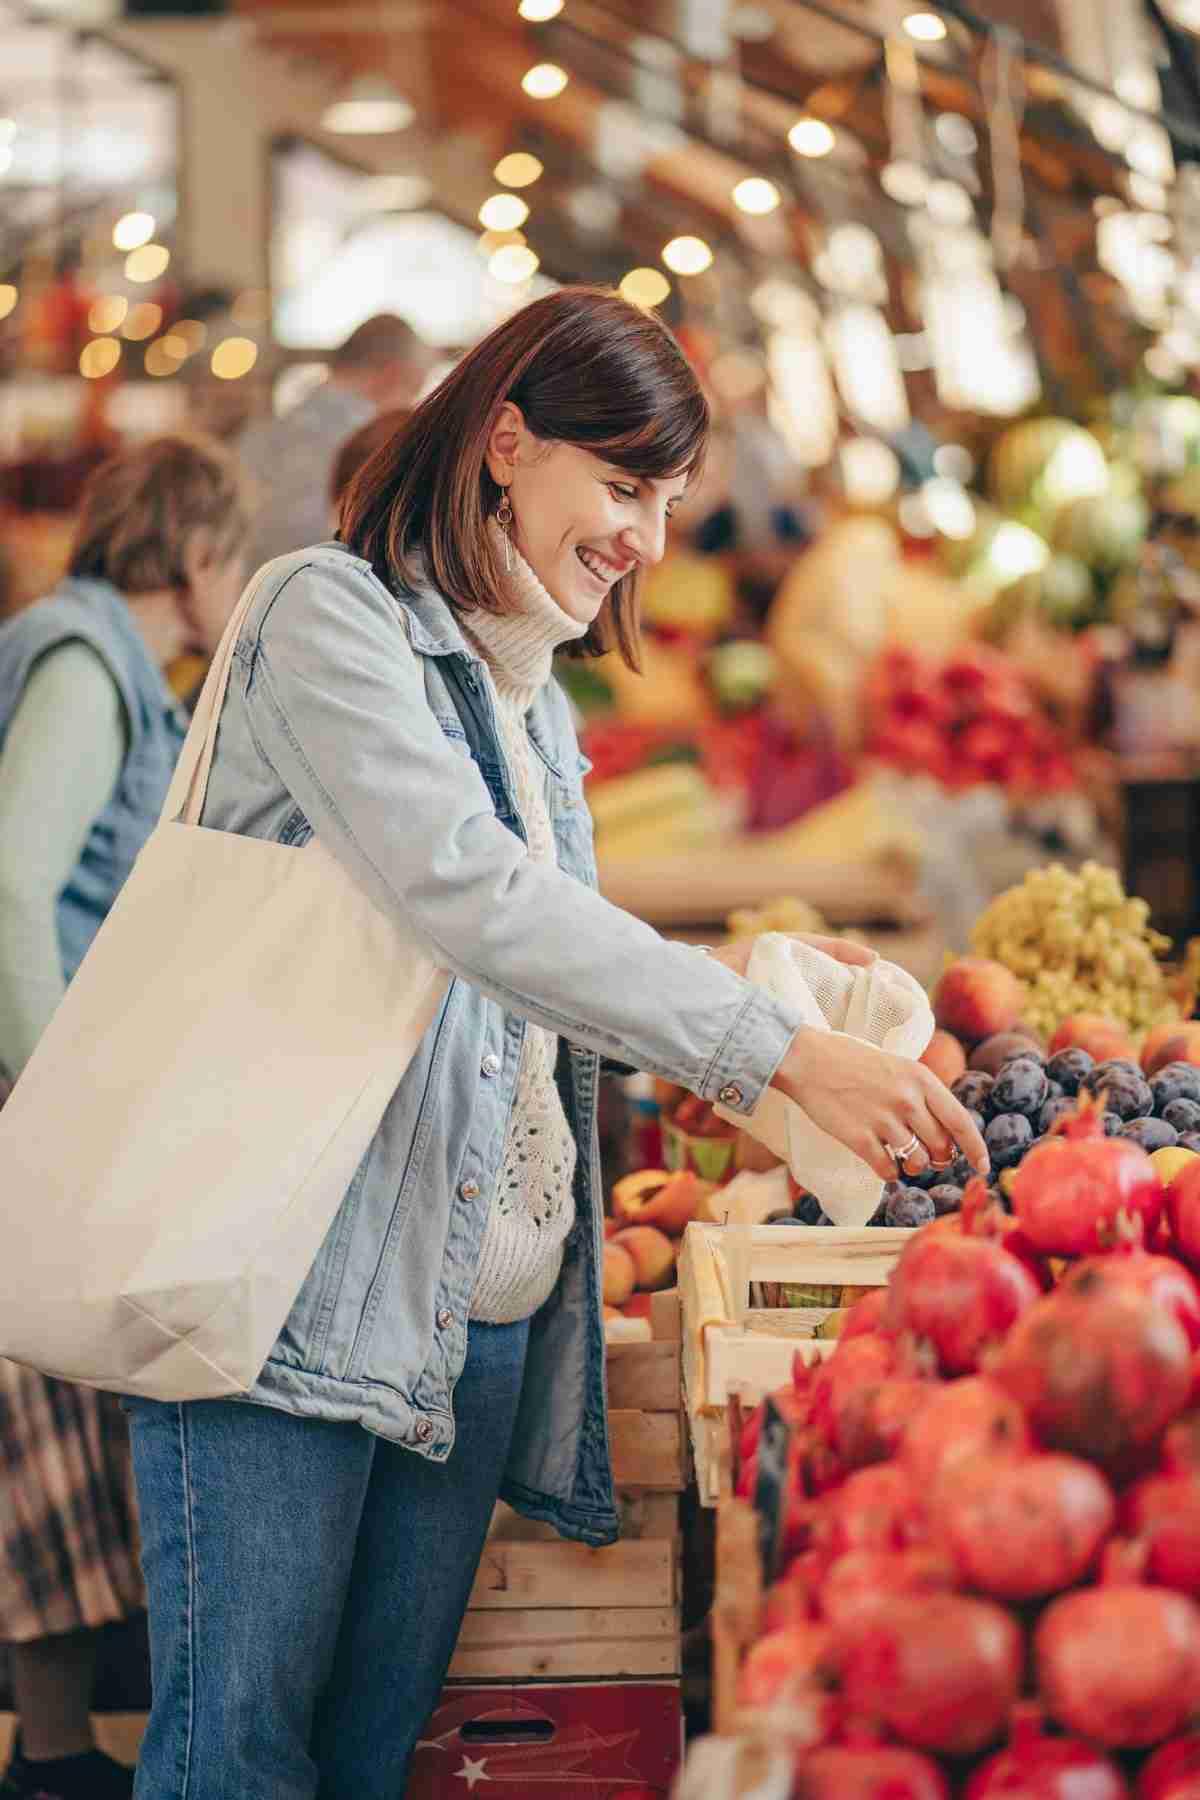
[544, 1609]
[730, 1348]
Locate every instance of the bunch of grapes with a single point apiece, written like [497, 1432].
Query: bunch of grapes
[1080, 945]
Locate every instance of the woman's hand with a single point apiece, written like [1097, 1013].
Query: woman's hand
[869, 1100]
[736, 954]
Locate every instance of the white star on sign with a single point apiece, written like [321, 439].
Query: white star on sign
[471, 1772]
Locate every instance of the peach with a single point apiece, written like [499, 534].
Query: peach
[995, 1051]
[638, 1306]
[620, 1275]
[976, 998]
[654, 1197]
[1102, 1037]
[652, 1254]
[1182, 1044]
[611, 1312]
[945, 1056]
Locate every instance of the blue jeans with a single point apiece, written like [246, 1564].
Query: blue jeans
[306, 1585]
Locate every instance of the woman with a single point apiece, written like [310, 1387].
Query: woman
[89, 734]
[309, 1547]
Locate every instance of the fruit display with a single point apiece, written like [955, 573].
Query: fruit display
[649, 1211]
[980, 1515]
[969, 719]
[1078, 944]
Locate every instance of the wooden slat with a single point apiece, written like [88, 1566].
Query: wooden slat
[665, 1318]
[634, 1573]
[648, 1449]
[645, 1376]
[568, 1642]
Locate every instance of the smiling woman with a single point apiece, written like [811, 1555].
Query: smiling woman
[583, 414]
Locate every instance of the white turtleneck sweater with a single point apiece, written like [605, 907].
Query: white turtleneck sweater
[531, 1209]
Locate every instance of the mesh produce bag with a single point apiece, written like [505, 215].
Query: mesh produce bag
[879, 1004]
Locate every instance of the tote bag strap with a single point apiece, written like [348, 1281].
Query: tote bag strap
[189, 784]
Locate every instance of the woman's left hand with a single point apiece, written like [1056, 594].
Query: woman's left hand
[736, 955]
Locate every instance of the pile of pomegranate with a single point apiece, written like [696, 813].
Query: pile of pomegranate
[988, 1559]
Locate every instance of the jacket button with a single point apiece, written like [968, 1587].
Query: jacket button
[445, 1318]
[424, 1430]
[470, 1189]
[491, 1065]
[730, 1095]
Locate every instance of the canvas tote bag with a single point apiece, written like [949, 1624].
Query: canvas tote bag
[175, 1151]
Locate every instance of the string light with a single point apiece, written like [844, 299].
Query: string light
[133, 230]
[8, 298]
[158, 360]
[756, 195]
[812, 137]
[925, 27]
[99, 358]
[518, 169]
[107, 314]
[687, 255]
[503, 212]
[491, 241]
[233, 358]
[142, 321]
[538, 12]
[147, 263]
[513, 263]
[545, 81]
[193, 333]
[645, 287]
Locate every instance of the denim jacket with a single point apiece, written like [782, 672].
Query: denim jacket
[93, 612]
[365, 717]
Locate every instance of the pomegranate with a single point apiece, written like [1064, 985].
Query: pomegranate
[961, 1419]
[982, 1215]
[1162, 1512]
[862, 1580]
[789, 1601]
[1183, 1213]
[867, 1772]
[941, 1671]
[873, 1420]
[1070, 1197]
[1120, 1664]
[1037, 1767]
[874, 1509]
[861, 1362]
[959, 1294]
[1173, 1772]
[793, 1407]
[794, 1667]
[865, 1315]
[1099, 1369]
[1022, 1527]
[1166, 1282]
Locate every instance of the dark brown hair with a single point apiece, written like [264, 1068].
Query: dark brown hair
[141, 506]
[585, 368]
[361, 446]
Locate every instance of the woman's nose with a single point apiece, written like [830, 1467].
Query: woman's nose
[647, 540]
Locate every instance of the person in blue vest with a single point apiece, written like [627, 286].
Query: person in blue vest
[89, 734]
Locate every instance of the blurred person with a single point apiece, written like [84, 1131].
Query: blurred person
[359, 448]
[381, 366]
[310, 1545]
[89, 735]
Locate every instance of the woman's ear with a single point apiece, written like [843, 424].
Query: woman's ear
[507, 441]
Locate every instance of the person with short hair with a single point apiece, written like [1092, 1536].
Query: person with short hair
[358, 450]
[381, 366]
[309, 1547]
[89, 735]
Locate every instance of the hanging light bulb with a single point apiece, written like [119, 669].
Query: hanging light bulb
[756, 195]
[539, 12]
[687, 255]
[517, 170]
[503, 212]
[645, 287]
[513, 263]
[812, 137]
[925, 27]
[545, 81]
[134, 230]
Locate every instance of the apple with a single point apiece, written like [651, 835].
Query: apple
[976, 998]
[1103, 1038]
[620, 1275]
[1183, 1045]
[652, 1254]
[656, 1197]
[945, 1056]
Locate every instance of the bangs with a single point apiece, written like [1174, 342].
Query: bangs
[662, 448]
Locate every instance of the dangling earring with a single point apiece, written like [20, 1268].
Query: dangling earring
[504, 519]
